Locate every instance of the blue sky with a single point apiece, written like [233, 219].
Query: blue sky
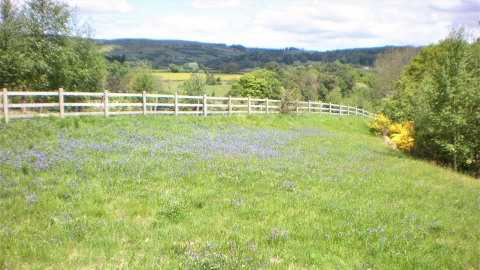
[312, 25]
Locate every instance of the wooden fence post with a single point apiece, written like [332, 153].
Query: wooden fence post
[61, 103]
[175, 101]
[105, 103]
[321, 106]
[249, 109]
[5, 105]
[348, 109]
[204, 104]
[229, 105]
[296, 105]
[330, 108]
[308, 106]
[339, 109]
[266, 105]
[144, 102]
[356, 110]
[24, 99]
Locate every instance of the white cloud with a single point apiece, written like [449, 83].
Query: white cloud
[215, 4]
[102, 6]
[349, 24]
[313, 25]
[168, 27]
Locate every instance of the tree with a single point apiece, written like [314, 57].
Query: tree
[116, 76]
[260, 83]
[231, 67]
[14, 61]
[210, 79]
[193, 67]
[195, 85]
[388, 68]
[173, 68]
[249, 86]
[143, 78]
[52, 49]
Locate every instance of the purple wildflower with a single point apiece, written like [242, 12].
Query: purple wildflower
[31, 199]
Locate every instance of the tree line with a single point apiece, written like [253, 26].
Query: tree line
[438, 91]
[161, 53]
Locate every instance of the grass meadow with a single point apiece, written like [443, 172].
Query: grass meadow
[185, 76]
[245, 191]
[172, 82]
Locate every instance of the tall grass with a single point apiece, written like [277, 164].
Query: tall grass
[253, 191]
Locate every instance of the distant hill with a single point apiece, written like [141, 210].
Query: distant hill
[217, 56]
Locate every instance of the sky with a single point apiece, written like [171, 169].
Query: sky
[311, 25]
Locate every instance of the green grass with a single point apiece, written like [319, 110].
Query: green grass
[252, 191]
[185, 76]
[170, 87]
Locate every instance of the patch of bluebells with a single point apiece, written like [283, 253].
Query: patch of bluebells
[231, 141]
[214, 256]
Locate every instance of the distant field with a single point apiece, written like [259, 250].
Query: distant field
[185, 76]
[171, 87]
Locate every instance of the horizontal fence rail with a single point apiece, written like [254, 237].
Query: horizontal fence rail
[23, 104]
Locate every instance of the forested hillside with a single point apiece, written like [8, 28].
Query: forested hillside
[228, 58]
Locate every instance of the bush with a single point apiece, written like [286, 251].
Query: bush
[401, 135]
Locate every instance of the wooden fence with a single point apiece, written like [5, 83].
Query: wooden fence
[43, 104]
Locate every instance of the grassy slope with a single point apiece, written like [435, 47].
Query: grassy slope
[302, 191]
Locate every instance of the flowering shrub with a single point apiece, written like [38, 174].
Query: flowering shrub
[380, 125]
[400, 135]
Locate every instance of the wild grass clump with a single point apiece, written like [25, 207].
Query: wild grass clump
[245, 191]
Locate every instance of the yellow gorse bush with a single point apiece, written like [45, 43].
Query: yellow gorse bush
[401, 135]
[380, 125]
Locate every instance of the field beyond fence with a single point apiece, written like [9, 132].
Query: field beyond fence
[44, 104]
[181, 76]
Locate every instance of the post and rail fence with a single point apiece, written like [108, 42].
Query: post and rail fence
[20, 104]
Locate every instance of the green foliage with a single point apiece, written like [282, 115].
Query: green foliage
[439, 92]
[173, 68]
[42, 48]
[143, 78]
[211, 80]
[231, 68]
[218, 56]
[14, 60]
[117, 79]
[258, 84]
[190, 67]
[195, 85]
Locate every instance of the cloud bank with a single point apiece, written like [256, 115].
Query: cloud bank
[313, 25]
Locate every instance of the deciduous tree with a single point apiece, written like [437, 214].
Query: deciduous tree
[143, 78]
[195, 85]
[47, 48]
